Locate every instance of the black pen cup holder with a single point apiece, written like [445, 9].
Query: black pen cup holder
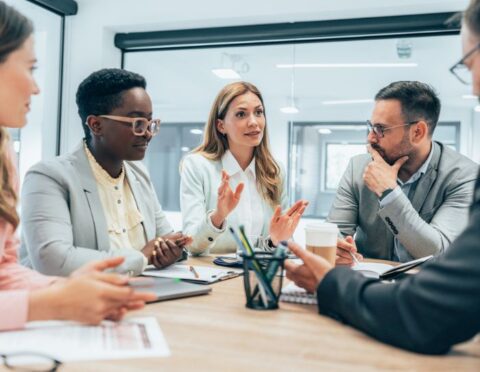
[262, 279]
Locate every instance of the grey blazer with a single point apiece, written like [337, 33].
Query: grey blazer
[426, 225]
[63, 222]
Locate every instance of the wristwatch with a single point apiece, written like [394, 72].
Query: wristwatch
[385, 193]
[270, 243]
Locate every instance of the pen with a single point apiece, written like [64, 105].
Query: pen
[192, 269]
[262, 284]
[355, 259]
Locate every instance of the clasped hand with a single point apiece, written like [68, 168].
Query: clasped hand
[165, 250]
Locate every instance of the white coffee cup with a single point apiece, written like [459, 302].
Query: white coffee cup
[321, 239]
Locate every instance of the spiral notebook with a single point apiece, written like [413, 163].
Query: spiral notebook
[293, 293]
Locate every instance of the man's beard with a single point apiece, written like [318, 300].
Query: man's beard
[404, 149]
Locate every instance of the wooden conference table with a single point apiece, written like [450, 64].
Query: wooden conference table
[217, 332]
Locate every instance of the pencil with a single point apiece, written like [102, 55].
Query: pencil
[192, 269]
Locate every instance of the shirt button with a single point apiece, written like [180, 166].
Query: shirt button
[119, 201]
[210, 239]
[116, 187]
[124, 230]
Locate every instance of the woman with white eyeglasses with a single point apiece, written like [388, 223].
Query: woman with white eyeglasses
[98, 201]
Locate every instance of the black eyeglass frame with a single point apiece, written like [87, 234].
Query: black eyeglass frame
[379, 131]
[461, 64]
[55, 363]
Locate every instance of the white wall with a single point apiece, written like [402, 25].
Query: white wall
[89, 34]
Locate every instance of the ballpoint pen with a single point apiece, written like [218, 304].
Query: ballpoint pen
[355, 259]
[192, 269]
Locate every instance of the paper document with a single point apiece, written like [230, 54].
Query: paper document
[199, 274]
[71, 341]
[371, 269]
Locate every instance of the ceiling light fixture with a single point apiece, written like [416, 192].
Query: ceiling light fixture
[346, 65]
[347, 101]
[324, 131]
[469, 96]
[196, 131]
[289, 110]
[226, 73]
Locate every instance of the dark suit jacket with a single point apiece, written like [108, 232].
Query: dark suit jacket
[427, 312]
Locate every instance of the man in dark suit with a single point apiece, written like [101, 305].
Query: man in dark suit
[427, 312]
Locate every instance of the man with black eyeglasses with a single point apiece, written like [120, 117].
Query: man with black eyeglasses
[428, 312]
[409, 197]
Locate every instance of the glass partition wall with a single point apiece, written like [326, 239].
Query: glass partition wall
[317, 97]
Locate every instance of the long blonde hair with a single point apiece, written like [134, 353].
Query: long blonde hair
[215, 144]
[8, 195]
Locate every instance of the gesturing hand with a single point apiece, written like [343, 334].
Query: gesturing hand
[379, 175]
[282, 226]
[227, 200]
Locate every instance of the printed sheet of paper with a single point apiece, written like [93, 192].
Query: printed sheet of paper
[70, 341]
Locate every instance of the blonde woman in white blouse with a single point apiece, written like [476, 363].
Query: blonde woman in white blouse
[232, 178]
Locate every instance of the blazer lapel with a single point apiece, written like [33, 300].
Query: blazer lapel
[144, 209]
[89, 185]
[426, 181]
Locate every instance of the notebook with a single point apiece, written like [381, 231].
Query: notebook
[385, 271]
[295, 294]
[204, 274]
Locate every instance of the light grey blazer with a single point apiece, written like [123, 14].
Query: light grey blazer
[200, 179]
[63, 222]
[436, 215]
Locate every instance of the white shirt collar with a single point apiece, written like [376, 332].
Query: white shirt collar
[231, 166]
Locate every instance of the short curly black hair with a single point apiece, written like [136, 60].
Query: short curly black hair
[101, 92]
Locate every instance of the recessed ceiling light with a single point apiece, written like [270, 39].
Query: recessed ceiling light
[469, 96]
[324, 131]
[226, 73]
[185, 149]
[289, 110]
[346, 65]
[347, 101]
[196, 131]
